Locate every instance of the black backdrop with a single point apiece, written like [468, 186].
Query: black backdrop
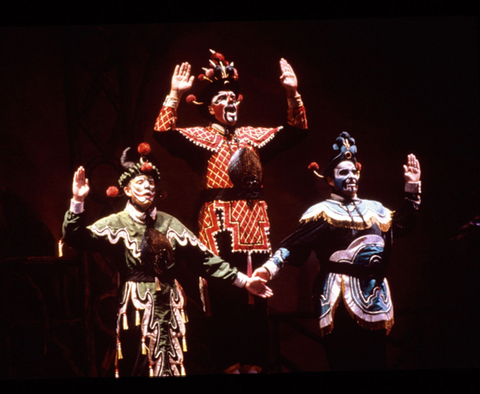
[399, 83]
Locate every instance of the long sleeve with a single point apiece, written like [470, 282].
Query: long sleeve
[404, 220]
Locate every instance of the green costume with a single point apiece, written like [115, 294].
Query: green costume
[150, 323]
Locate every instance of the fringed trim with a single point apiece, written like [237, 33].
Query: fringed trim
[356, 224]
[379, 325]
[369, 325]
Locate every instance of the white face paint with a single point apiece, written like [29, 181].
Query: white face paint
[345, 178]
[141, 191]
[224, 107]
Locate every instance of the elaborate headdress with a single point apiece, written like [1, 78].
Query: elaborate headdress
[220, 75]
[132, 168]
[348, 151]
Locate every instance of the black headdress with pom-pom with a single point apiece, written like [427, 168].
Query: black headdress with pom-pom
[134, 167]
[345, 144]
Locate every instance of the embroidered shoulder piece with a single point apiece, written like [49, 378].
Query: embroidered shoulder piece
[257, 136]
[115, 230]
[204, 137]
[208, 138]
[361, 215]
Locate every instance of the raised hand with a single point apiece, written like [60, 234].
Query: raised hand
[80, 187]
[288, 77]
[256, 286]
[181, 80]
[412, 169]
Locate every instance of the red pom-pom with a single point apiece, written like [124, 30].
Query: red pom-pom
[147, 167]
[201, 77]
[240, 98]
[144, 149]
[190, 98]
[112, 191]
[210, 73]
[313, 166]
[359, 166]
[218, 56]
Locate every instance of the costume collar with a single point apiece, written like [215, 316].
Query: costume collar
[339, 198]
[139, 216]
[222, 130]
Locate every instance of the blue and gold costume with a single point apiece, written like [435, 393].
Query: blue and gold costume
[352, 240]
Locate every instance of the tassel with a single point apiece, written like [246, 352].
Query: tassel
[251, 300]
[137, 317]
[184, 316]
[157, 285]
[119, 350]
[150, 371]
[184, 343]
[144, 347]
[117, 375]
[125, 323]
[60, 248]
[183, 370]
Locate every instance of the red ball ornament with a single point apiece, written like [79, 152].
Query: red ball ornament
[218, 57]
[190, 98]
[210, 73]
[144, 149]
[313, 166]
[147, 167]
[112, 191]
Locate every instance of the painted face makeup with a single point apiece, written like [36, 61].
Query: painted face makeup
[141, 191]
[224, 107]
[345, 178]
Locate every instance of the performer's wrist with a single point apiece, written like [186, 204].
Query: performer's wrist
[413, 187]
[271, 268]
[240, 280]
[171, 101]
[76, 206]
[295, 101]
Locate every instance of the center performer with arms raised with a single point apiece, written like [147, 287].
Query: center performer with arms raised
[233, 220]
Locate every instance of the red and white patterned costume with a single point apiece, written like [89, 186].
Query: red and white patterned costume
[247, 223]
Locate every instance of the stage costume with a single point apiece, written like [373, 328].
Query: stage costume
[233, 220]
[352, 239]
[149, 249]
[238, 209]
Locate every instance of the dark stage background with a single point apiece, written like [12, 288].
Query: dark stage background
[78, 94]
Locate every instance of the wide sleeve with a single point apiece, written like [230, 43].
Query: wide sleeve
[175, 142]
[296, 248]
[75, 232]
[404, 220]
[192, 254]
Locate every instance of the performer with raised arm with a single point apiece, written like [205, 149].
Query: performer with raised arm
[352, 239]
[233, 220]
[148, 248]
